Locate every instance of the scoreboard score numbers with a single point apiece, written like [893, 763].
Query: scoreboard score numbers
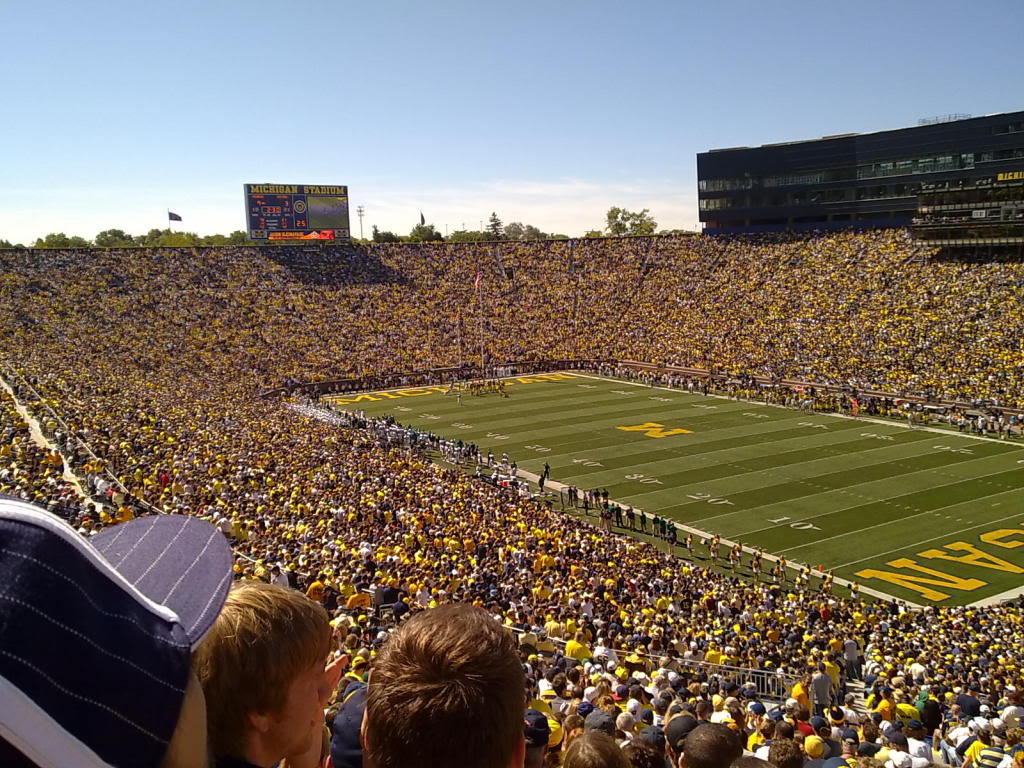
[297, 211]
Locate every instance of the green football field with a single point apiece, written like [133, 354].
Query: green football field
[923, 515]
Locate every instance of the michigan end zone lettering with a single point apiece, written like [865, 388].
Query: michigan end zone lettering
[396, 394]
[935, 585]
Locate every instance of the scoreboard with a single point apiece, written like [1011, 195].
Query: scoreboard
[297, 211]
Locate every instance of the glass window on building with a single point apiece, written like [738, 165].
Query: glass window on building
[1015, 127]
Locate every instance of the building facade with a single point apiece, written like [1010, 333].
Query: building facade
[853, 180]
[982, 213]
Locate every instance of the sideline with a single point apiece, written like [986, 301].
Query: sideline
[921, 428]
[1000, 598]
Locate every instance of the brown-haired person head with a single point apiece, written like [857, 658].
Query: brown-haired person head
[710, 745]
[572, 729]
[447, 689]
[262, 668]
[786, 753]
[595, 749]
[643, 755]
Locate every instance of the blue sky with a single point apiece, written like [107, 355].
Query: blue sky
[546, 112]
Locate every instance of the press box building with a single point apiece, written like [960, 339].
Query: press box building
[954, 179]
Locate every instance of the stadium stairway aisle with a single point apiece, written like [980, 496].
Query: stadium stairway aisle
[40, 439]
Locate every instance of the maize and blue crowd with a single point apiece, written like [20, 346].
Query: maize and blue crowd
[144, 366]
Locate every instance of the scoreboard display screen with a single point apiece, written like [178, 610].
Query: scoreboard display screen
[297, 211]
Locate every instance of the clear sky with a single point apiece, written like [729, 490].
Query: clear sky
[546, 112]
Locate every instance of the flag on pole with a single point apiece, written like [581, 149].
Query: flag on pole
[476, 281]
[423, 221]
[173, 216]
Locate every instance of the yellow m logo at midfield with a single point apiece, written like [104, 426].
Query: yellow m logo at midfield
[650, 429]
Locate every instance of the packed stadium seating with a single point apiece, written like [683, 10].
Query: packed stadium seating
[154, 358]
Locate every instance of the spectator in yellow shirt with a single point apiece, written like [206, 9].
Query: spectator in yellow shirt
[886, 707]
[577, 648]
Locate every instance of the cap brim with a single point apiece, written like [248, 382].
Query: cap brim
[182, 563]
[94, 670]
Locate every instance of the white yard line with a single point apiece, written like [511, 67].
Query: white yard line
[1018, 515]
[844, 490]
[850, 437]
[894, 522]
[869, 500]
[922, 428]
[1009, 594]
[870, 419]
[792, 565]
[881, 422]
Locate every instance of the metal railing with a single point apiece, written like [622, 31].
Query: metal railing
[773, 685]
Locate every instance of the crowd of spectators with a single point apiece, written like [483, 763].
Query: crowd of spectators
[31, 471]
[153, 359]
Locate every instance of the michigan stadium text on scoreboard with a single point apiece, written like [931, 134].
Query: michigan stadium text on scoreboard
[297, 211]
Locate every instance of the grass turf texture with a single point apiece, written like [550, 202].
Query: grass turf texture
[853, 495]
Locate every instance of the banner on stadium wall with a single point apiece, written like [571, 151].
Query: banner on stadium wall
[326, 234]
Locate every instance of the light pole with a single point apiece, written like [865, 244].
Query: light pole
[359, 212]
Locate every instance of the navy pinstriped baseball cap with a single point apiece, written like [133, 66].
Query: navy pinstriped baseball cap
[96, 635]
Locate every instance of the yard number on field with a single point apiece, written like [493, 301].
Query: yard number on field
[708, 498]
[877, 436]
[644, 479]
[653, 429]
[800, 525]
